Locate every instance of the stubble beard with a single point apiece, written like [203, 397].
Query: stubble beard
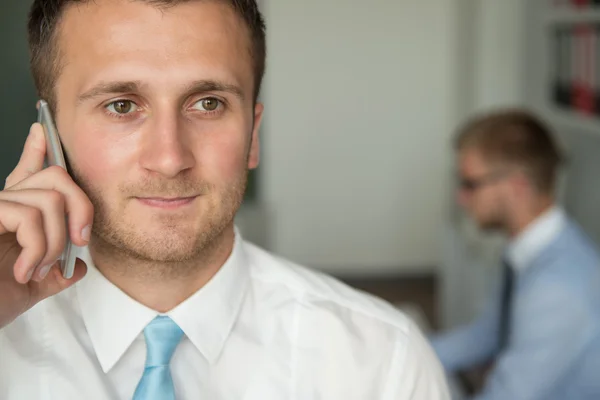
[176, 246]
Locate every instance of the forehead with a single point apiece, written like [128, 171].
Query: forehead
[134, 40]
[472, 161]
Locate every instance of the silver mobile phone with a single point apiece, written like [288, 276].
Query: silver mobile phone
[55, 156]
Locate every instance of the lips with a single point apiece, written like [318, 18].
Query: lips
[166, 202]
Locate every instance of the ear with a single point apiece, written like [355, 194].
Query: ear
[254, 152]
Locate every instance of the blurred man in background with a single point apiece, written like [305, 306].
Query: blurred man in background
[539, 337]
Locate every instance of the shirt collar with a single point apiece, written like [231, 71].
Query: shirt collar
[113, 319]
[523, 249]
[208, 316]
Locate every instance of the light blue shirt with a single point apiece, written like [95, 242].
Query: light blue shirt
[554, 348]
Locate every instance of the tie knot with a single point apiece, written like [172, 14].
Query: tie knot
[162, 337]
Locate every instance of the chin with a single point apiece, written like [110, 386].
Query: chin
[162, 241]
[490, 226]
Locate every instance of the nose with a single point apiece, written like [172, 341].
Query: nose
[166, 147]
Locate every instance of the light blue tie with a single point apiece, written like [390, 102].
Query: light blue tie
[162, 337]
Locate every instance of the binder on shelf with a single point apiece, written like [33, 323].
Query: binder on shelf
[565, 67]
[561, 86]
[574, 42]
[596, 68]
[580, 3]
[576, 68]
[584, 96]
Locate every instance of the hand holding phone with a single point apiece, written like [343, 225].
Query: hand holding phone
[37, 240]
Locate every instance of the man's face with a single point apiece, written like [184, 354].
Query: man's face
[157, 116]
[482, 190]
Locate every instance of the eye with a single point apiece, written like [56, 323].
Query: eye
[122, 107]
[208, 104]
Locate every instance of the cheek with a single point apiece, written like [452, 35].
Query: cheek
[475, 203]
[487, 202]
[100, 160]
[92, 167]
[222, 159]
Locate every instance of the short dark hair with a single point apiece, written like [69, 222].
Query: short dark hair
[45, 15]
[516, 137]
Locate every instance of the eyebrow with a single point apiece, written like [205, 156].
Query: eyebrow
[110, 88]
[204, 86]
[200, 86]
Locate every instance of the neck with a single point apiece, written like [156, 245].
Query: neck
[161, 291]
[525, 215]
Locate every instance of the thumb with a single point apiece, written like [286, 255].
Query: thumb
[32, 157]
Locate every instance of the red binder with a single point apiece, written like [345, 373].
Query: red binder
[596, 67]
[580, 3]
[584, 69]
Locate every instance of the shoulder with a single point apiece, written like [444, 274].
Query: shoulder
[332, 317]
[565, 278]
[572, 259]
[574, 243]
[357, 335]
[316, 291]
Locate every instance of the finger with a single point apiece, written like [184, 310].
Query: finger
[26, 222]
[32, 157]
[77, 205]
[51, 204]
[55, 283]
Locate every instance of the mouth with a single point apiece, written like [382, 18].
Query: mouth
[168, 203]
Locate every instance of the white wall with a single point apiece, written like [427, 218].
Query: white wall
[492, 36]
[361, 100]
[499, 53]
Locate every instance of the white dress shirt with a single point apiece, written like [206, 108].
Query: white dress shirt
[262, 328]
[525, 247]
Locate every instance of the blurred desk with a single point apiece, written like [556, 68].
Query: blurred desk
[415, 295]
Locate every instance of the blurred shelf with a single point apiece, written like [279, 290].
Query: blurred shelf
[572, 15]
[573, 120]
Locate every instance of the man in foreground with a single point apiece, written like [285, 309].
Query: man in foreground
[156, 102]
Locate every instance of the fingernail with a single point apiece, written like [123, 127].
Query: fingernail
[30, 274]
[86, 233]
[44, 271]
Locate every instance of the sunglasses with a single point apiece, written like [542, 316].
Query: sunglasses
[473, 184]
